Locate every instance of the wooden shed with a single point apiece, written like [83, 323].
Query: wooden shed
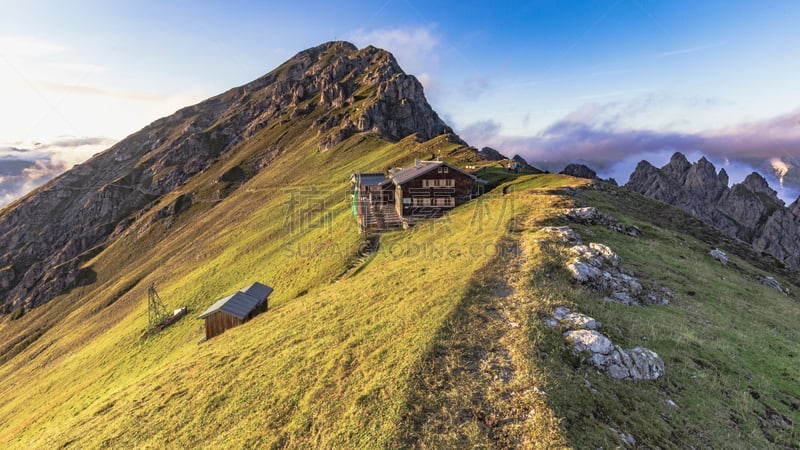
[236, 309]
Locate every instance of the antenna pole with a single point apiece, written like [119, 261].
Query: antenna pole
[156, 312]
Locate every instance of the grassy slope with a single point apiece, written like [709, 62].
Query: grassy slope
[327, 364]
[730, 343]
[730, 346]
[372, 360]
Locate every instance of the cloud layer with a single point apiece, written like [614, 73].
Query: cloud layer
[22, 170]
[587, 134]
[593, 135]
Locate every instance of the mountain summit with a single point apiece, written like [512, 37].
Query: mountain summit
[334, 90]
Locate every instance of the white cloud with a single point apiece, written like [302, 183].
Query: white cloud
[24, 170]
[686, 51]
[28, 47]
[414, 47]
[79, 67]
[48, 90]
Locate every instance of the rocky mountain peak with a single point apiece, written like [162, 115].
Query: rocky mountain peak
[795, 207]
[705, 168]
[391, 103]
[653, 182]
[757, 183]
[331, 91]
[491, 154]
[524, 165]
[702, 179]
[643, 167]
[677, 167]
[723, 177]
[579, 171]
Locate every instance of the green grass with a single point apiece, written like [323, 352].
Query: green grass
[327, 365]
[385, 356]
[729, 343]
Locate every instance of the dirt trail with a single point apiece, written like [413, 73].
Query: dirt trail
[481, 389]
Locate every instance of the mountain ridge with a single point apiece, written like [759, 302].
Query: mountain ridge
[45, 233]
[750, 210]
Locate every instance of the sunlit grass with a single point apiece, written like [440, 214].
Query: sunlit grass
[372, 356]
[327, 365]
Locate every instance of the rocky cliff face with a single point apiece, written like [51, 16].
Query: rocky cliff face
[750, 210]
[47, 236]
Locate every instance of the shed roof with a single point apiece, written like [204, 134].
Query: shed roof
[258, 290]
[241, 303]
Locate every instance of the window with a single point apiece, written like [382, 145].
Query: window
[421, 201]
[438, 183]
[444, 201]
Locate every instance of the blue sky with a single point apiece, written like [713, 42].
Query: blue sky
[600, 81]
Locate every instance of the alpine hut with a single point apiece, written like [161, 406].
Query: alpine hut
[426, 189]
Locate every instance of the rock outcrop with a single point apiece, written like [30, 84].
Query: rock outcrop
[44, 235]
[719, 255]
[773, 283]
[572, 320]
[589, 215]
[565, 234]
[6, 277]
[491, 154]
[750, 210]
[600, 269]
[579, 171]
[624, 364]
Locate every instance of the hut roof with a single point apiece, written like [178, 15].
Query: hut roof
[423, 167]
[370, 179]
[241, 303]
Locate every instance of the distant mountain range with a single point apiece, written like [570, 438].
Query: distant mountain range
[750, 210]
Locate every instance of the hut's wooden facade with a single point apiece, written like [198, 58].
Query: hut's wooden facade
[431, 188]
[426, 189]
[236, 309]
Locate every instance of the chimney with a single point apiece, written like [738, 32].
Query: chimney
[416, 161]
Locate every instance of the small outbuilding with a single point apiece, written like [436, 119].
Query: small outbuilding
[236, 309]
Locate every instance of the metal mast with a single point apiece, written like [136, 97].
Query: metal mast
[156, 312]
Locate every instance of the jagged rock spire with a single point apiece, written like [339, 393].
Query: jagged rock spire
[750, 210]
